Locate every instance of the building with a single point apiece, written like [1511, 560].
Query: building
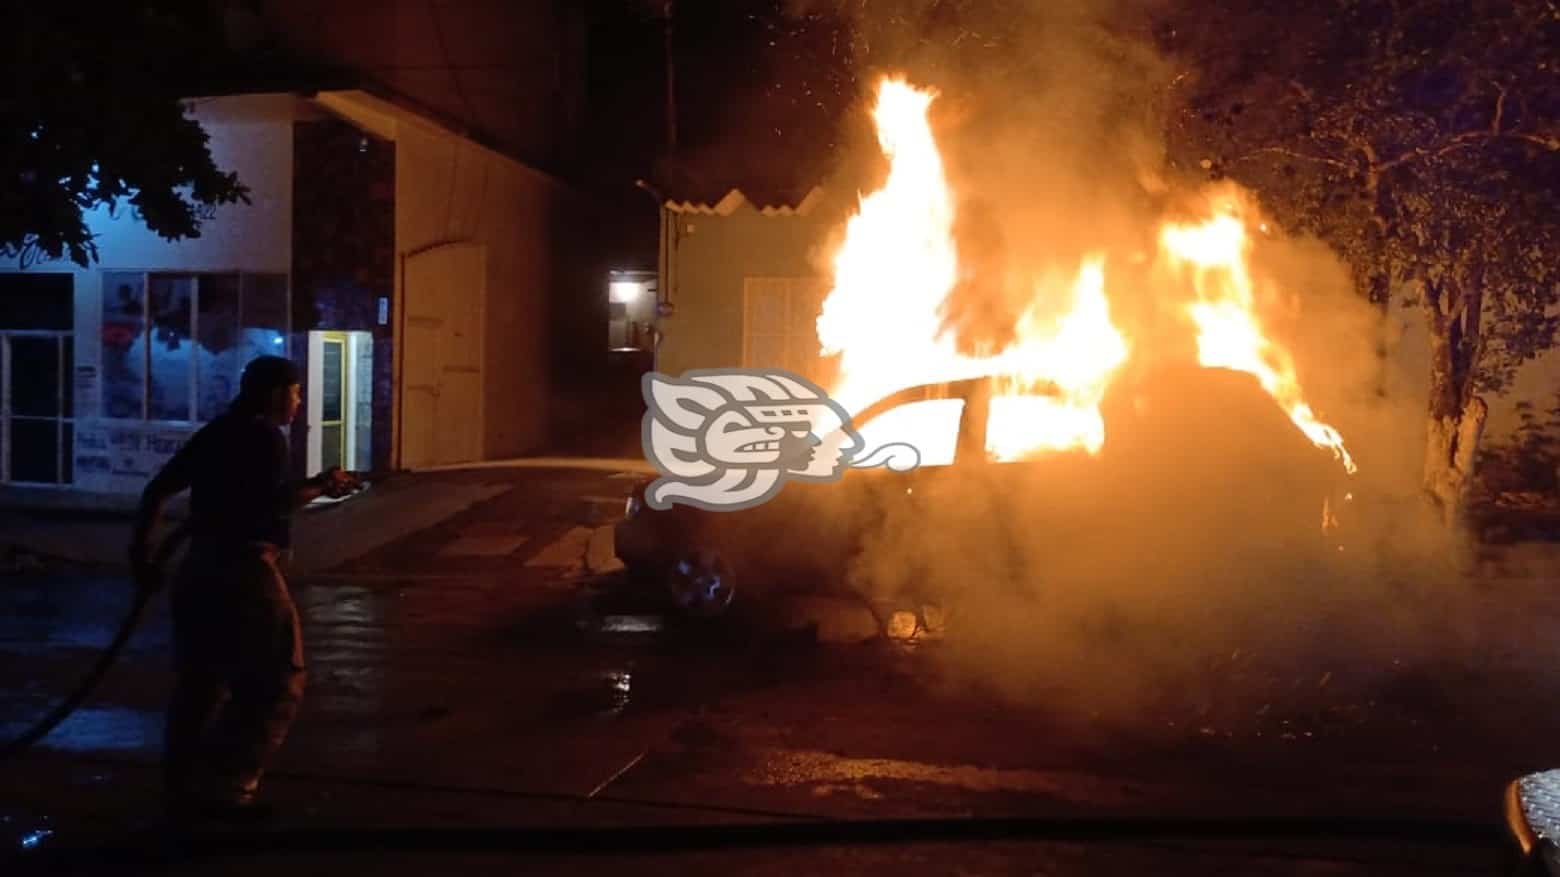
[431, 288]
[744, 282]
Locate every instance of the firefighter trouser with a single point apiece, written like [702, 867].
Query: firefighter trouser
[238, 659]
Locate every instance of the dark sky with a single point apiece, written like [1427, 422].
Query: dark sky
[759, 94]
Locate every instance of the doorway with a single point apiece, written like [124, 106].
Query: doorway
[37, 378]
[36, 406]
[340, 400]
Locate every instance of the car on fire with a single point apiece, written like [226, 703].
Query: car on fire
[1192, 457]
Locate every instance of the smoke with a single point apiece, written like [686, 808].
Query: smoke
[1188, 564]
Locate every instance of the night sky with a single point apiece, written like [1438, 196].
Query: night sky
[760, 95]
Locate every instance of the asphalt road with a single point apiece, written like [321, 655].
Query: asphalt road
[473, 680]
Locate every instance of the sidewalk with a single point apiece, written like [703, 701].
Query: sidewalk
[325, 534]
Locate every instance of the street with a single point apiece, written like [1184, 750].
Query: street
[488, 672]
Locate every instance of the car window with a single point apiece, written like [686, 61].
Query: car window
[1018, 427]
[931, 426]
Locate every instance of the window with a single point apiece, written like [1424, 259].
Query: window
[931, 427]
[37, 301]
[780, 317]
[175, 344]
[217, 340]
[169, 298]
[37, 359]
[124, 354]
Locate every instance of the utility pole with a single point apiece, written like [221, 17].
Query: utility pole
[671, 77]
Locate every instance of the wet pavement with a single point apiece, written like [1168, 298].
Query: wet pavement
[476, 674]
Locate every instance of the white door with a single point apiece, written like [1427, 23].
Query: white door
[441, 372]
[780, 324]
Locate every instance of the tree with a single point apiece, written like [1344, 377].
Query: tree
[1420, 139]
[94, 116]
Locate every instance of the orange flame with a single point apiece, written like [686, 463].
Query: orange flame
[893, 274]
[898, 264]
[1229, 333]
[1076, 359]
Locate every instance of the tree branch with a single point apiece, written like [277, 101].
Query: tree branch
[1550, 143]
[1466, 138]
[1279, 150]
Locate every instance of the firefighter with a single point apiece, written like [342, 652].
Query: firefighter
[238, 655]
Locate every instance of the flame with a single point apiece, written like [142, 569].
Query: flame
[1229, 332]
[894, 272]
[1075, 362]
[898, 264]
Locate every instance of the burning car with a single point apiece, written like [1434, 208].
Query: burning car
[1141, 399]
[1203, 448]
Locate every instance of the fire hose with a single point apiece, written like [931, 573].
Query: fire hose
[143, 595]
[148, 582]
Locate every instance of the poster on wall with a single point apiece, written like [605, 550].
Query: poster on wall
[115, 457]
[86, 382]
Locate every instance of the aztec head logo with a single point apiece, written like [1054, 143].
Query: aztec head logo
[727, 439]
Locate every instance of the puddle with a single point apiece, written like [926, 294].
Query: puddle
[631, 624]
[27, 832]
[32, 839]
[827, 773]
[803, 767]
[97, 729]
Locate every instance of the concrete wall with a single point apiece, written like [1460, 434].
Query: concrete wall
[251, 135]
[709, 257]
[450, 190]
[546, 298]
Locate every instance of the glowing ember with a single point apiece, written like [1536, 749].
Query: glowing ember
[1229, 333]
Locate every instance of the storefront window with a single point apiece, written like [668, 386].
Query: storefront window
[169, 301]
[264, 316]
[124, 353]
[175, 344]
[221, 360]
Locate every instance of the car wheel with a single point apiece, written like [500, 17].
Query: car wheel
[701, 584]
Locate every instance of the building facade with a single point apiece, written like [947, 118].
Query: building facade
[744, 283]
[427, 286]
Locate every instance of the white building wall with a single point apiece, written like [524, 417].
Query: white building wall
[450, 190]
[251, 135]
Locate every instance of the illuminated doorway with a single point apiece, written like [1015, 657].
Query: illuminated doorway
[340, 400]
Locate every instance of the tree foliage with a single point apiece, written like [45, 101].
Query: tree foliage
[1420, 138]
[94, 117]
